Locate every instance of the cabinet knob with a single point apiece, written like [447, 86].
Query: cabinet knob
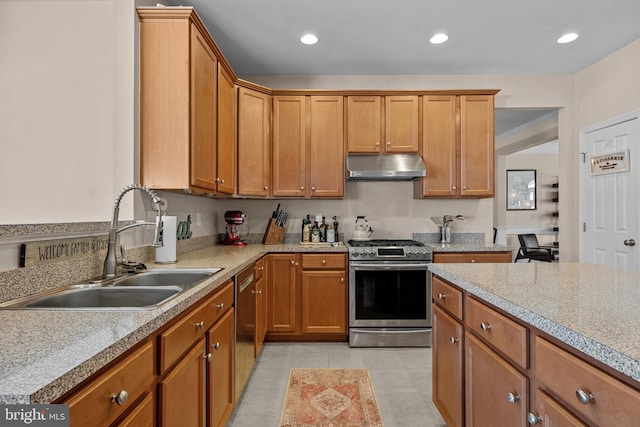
[453, 340]
[342, 280]
[464, 187]
[388, 143]
[256, 292]
[292, 262]
[266, 188]
[472, 261]
[485, 326]
[313, 188]
[584, 397]
[441, 295]
[454, 188]
[207, 357]
[533, 419]
[220, 306]
[120, 398]
[512, 397]
[377, 144]
[200, 324]
[222, 181]
[301, 188]
[324, 262]
[216, 346]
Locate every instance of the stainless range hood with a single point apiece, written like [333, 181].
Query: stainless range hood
[385, 167]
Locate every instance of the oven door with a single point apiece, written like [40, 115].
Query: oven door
[387, 294]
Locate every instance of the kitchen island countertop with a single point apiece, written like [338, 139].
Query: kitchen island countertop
[592, 308]
[468, 247]
[45, 353]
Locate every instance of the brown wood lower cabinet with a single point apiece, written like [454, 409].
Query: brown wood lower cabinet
[472, 257]
[183, 399]
[144, 414]
[220, 346]
[514, 374]
[448, 365]
[496, 394]
[307, 296]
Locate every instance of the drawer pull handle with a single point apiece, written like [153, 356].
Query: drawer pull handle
[120, 398]
[207, 357]
[216, 346]
[256, 292]
[485, 326]
[342, 280]
[324, 262]
[533, 418]
[512, 397]
[200, 324]
[291, 262]
[584, 397]
[453, 340]
[441, 296]
[220, 306]
[472, 261]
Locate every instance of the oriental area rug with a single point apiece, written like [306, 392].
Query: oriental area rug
[330, 398]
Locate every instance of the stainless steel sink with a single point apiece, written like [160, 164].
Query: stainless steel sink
[142, 291]
[105, 298]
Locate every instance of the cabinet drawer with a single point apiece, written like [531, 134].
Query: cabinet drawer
[551, 413]
[472, 257]
[324, 261]
[504, 334]
[179, 337]
[129, 379]
[447, 296]
[607, 401]
[259, 268]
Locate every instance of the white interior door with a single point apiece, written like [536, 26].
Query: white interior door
[609, 202]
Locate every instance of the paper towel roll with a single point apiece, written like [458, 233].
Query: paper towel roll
[167, 253]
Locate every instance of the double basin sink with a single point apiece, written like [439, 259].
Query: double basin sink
[140, 291]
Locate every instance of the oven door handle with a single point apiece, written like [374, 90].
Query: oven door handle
[380, 266]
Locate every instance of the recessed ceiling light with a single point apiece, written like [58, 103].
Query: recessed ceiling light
[568, 38]
[309, 39]
[439, 38]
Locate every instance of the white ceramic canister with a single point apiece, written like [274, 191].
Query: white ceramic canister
[167, 253]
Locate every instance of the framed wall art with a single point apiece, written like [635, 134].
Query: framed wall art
[521, 189]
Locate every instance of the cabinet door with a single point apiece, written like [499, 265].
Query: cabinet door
[220, 340]
[324, 302]
[364, 124]
[550, 413]
[496, 394]
[183, 391]
[254, 156]
[144, 414]
[326, 147]
[448, 366]
[439, 146]
[226, 155]
[473, 257]
[203, 113]
[289, 145]
[401, 115]
[281, 292]
[476, 146]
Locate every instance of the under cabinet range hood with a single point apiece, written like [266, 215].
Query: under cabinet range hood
[385, 167]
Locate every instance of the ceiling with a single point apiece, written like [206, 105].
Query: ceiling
[380, 37]
[261, 37]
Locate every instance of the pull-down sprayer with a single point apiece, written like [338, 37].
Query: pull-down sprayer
[110, 262]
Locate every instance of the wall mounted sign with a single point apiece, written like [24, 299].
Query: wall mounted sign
[521, 189]
[46, 251]
[610, 163]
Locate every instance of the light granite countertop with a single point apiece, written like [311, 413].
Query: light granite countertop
[590, 307]
[43, 353]
[468, 247]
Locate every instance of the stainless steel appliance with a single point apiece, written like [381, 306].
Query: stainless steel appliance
[389, 293]
[245, 327]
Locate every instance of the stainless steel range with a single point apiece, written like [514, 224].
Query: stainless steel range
[389, 293]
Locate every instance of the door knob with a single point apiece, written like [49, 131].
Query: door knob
[629, 242]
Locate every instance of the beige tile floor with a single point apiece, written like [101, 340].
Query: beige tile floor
[401, 379]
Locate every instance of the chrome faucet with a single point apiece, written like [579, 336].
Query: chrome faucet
[110, 262]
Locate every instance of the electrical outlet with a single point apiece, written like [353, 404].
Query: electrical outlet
[198, 219]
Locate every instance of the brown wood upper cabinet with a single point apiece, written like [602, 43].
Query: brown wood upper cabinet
[383, 124]
[254, 149]
[308, 148]
[187, 106]
[457, 146]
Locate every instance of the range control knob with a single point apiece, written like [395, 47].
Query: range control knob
[356, 253]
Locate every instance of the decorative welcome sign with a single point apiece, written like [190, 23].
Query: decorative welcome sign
[610, 163]
[47, 251]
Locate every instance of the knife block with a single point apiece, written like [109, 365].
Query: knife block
[274, 234]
